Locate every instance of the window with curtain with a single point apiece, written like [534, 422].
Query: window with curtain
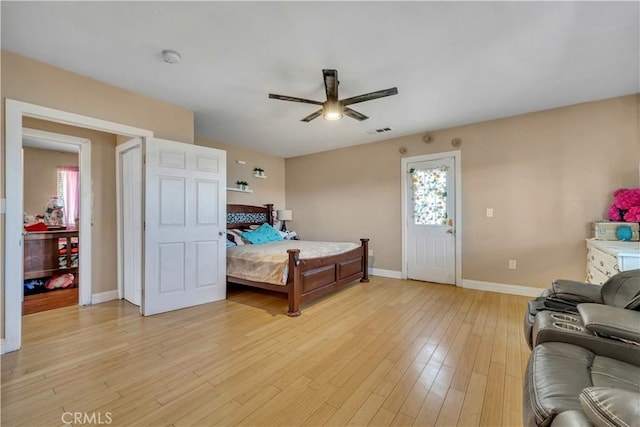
[68, 186]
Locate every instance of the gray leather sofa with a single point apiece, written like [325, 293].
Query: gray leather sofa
[621, 290]
[587, 377]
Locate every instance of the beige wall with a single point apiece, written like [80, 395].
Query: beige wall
[547, 175]
[103, 180]
[269, 190]
[27, 80]
[40, 169]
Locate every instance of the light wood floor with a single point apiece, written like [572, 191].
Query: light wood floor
[389, 352]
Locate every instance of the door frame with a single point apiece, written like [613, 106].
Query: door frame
[457, 158]
[82, 147]
[13, 277]
[120, 150]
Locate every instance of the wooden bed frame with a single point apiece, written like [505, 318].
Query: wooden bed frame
[308, 278]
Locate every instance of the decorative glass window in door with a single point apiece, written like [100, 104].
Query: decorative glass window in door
[429, 196]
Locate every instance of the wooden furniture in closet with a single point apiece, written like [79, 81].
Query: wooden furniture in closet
[43, 258]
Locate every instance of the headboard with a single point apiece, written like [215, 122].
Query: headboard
[243, 216]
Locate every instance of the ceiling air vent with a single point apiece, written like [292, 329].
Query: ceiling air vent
[381, 130]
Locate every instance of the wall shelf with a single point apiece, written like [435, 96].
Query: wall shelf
[255, 175]
[239, 190]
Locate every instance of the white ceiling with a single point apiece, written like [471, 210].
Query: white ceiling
[453, 62]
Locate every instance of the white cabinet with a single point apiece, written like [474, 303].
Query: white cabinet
[607, 258]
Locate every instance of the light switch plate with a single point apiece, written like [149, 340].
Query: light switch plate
[489, 212]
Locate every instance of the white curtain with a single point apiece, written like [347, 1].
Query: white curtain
[68, 186]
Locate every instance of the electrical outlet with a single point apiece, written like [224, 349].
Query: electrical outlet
[489, 212]
[512, 264]
[370, 252]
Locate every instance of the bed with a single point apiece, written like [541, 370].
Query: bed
[304, 277]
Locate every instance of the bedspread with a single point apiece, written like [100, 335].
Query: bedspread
[269, 262]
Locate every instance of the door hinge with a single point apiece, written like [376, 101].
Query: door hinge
[144, 225]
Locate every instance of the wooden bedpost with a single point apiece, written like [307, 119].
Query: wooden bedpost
[365, 260]
[295, 286]
[269, 207]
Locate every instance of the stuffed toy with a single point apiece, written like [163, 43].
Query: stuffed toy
[53, 212]
[626, 205]
[63, 281]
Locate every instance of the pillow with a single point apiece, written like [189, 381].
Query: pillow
[235, 236]
[264, 234]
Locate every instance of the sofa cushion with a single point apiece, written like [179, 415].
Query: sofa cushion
[606, 406]
[558, 372]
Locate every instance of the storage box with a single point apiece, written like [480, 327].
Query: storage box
[606, 230]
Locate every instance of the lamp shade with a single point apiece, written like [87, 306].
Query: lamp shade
[285, 215]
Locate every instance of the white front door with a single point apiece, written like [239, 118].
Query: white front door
[430, 221]
[185, 226]
[131, 166]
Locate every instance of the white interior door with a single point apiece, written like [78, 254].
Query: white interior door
[430, 221]
[185, 226]
[131, 166]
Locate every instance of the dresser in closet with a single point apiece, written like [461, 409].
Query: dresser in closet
[49, 254]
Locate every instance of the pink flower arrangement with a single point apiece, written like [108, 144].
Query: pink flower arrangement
[633, 214]
[626, 205]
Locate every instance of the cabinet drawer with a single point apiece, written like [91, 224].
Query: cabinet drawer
[606, 263]
[595, 276]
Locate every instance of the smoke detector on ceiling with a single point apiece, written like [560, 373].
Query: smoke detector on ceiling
[170, 56]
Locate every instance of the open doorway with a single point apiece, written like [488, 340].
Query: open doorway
[15, 113]
[51, 200]
[184, 217]
[129, 195]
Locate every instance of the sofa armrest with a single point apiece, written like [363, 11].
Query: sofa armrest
[574, 418]
[580, 292]
[611, 322]
[606, 406]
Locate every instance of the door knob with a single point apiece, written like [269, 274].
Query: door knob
[220, 233]
[450, 231]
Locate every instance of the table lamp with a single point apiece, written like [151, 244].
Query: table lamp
[285, 215]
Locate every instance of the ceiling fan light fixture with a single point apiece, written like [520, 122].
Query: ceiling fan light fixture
[332, 111]
[334, 108]
[332, 115]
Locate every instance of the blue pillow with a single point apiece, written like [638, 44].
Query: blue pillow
[264, 234]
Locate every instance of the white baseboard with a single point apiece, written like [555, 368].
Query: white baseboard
[527, 291]
[104, 297]
[392, 274]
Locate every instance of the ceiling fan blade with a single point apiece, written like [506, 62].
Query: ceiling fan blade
[294, 99]
[354, 114]
[312, 116]
[331, 84]
[369, 96]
